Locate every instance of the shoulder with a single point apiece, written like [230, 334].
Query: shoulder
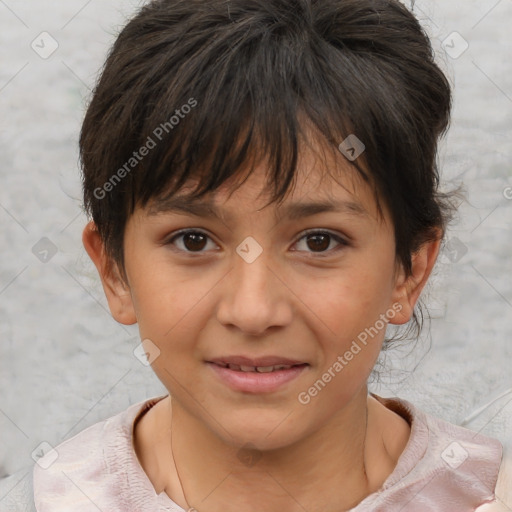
[442, 463]
[495, 419]
[503, 492]
[89, 467]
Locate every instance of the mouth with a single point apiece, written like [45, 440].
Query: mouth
[263, 375]
[258, 369]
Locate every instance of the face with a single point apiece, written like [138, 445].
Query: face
[293, 284]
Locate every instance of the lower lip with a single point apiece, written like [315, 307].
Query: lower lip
[255, 382]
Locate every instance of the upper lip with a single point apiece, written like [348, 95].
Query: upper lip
[256, 361]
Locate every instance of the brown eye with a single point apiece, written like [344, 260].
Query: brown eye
[194, 241]
[320, 241]
[190, 241]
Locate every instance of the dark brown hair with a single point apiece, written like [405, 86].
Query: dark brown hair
[209, 86]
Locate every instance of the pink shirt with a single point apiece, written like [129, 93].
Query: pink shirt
[443, 467]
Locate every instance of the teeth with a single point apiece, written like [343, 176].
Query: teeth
[259, 369]
[264, 369]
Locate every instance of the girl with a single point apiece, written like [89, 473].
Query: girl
[262, 181]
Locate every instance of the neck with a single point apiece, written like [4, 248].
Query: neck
[327, 470]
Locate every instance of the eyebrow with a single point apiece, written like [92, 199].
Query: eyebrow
[291, 211]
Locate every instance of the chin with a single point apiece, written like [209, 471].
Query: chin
[261, 430]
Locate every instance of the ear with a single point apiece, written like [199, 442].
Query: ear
[407, 289]
[116, 290]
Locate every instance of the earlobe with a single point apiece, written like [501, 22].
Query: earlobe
[408, 288]
[116, 290]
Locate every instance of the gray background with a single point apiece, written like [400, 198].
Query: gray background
[66, 364]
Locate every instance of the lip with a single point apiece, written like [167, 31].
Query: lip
[254, 361]
[255, 382]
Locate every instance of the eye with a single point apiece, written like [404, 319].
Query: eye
[320, 241]
[190, 240]
[195, 241]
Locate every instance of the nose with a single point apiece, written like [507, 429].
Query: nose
[254, 297]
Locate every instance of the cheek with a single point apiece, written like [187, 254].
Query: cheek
[171, 321]
[352, 311]
[172, 306]
[349, 300]
[164, 295]
[349, 349]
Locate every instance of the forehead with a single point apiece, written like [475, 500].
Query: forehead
[323, 182]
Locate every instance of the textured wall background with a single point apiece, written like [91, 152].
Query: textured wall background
[66, 364]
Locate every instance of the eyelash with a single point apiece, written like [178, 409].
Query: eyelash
[341, 241]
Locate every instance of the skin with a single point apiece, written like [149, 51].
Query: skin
[295, 300]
